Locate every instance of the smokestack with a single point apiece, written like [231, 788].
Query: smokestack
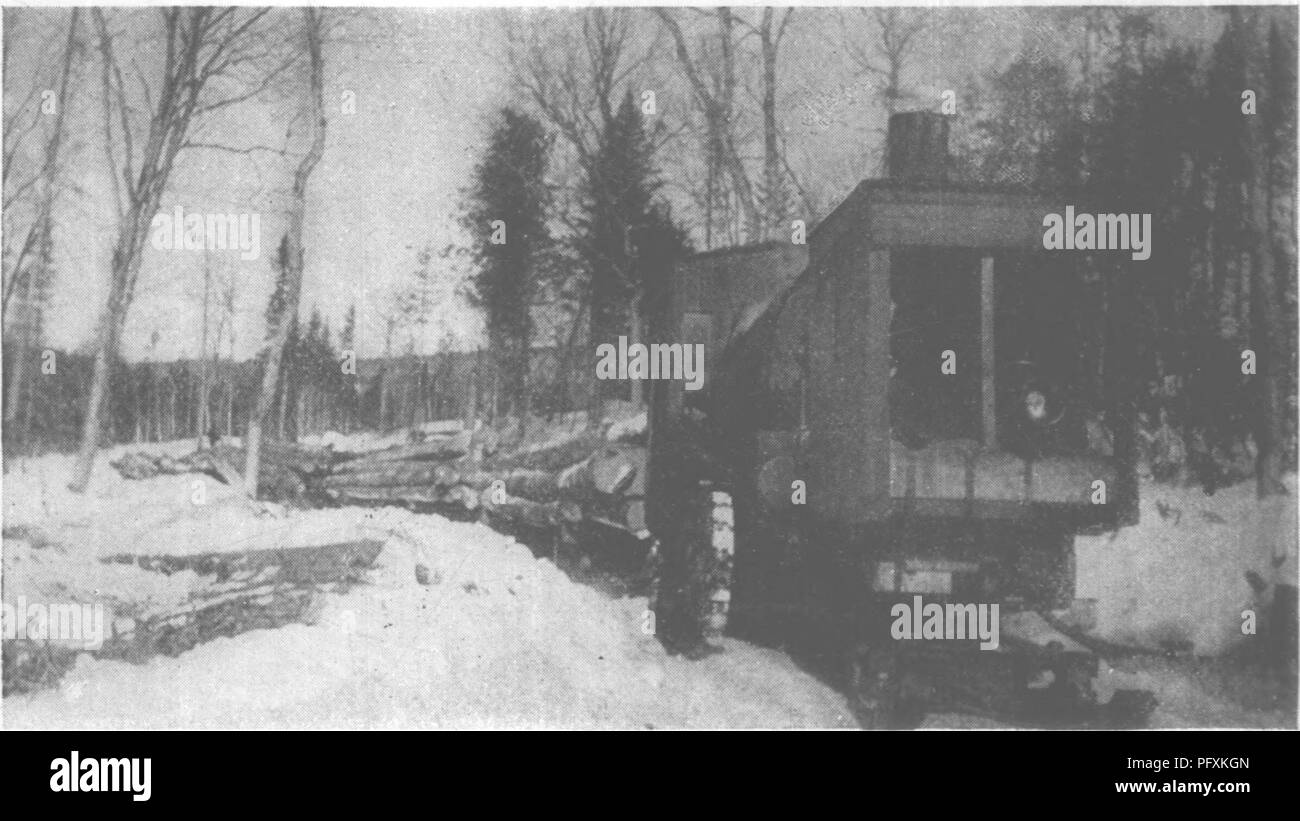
[918, 147]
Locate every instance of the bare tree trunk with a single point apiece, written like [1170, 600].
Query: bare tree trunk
[282, 405]
[201, 418]
[42, 228]
[1265, 316]
[157, 410]
[774, 204]
[292, 248]
[524, 399]
[383, 374]
[25, 337]
[634, 338]
[230, 405]
[471, 401]
[171, 406]
[137, 407]
[717, 109]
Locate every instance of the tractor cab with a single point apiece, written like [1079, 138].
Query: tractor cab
[916, 411]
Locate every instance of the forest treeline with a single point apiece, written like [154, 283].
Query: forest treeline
[160, 401]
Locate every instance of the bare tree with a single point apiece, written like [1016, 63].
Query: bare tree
[885, 58]
[714, 87]
[22, 117]
[200, 48]
[40, 236]
[773, 196]
[574, 74]
[291, 247]
[201, 416]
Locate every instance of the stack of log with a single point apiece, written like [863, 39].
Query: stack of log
[580, 479]
[140, 465]
[288, 471]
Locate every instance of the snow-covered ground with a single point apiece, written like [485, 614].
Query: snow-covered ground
[500, 638]
[1180, 576]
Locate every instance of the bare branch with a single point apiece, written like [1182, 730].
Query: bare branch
[233, 149]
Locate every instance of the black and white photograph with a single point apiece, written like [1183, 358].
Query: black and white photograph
[629, 368]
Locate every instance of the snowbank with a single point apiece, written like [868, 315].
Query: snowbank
[163, 515]
[1179, 576]
[498, 638]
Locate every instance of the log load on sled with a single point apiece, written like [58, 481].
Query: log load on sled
[580, 478]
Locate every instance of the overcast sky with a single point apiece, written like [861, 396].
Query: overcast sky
[388, 183]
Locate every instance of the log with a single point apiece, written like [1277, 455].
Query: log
[621, 527]
[517, 510]
[440, 450]
[612, 474]
[252, 589]
[634, 516]
[399, 494]
[535, 485]
[298, 457]
[174, 467]
[476, 479]
[462, 496]
[611, 471]
[552, 458]
[312, 564]
[276, 479]
[223, 464]
[392, 474]
[135, 466]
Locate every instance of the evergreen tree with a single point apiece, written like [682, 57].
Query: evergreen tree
[628, 242]
[347, 385]
[507, 213]
[1025, 136]
[1164, 132]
